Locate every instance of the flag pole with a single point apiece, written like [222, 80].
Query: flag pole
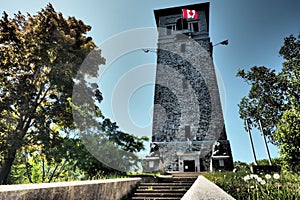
[251, 141]
[266, 145]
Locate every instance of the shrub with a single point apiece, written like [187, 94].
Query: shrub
[241, 185]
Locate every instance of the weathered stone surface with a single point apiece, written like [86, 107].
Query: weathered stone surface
[187, 104]
[87, 190]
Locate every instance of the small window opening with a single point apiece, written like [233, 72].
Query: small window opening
[169, 30]
[195, 27]
[181, 24]
[182, 48]
[187, 132]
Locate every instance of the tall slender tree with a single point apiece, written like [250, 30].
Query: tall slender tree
[274, 99]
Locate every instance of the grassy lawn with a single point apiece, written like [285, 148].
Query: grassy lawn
[243, 185]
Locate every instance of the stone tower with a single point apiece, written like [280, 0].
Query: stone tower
[188, 127]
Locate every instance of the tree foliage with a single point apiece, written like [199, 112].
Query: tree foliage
[288, 137]
[40, 57]
[266, 100]
[274, 99]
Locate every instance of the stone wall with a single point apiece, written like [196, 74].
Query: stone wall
[187, 103]
[186, 94]
[87, 190]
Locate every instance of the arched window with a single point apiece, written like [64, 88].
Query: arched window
[181, 24]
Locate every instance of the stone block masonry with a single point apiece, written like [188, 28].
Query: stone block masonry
[187, 119]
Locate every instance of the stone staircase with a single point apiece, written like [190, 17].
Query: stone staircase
[167, 187]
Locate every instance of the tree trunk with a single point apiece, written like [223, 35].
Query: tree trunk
[14, 143]
[6, 167]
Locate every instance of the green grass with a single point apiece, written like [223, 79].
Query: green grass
[130, 174]
[101, 176]
[242, 185]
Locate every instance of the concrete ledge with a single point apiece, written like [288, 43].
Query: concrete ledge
[205, 190]
[88, 190]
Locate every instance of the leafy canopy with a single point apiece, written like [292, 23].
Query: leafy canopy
[274, 99]
[40, 60]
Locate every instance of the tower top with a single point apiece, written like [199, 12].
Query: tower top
[204, 7]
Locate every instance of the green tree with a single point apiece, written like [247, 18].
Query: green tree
[241, 166]
[274, 99]
[266, 100]
[39, 57]
[288, 137]
[40, 65]
[291, 69]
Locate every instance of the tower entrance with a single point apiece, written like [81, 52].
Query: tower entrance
[189, 166]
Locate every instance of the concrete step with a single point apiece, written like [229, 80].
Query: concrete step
[161, 191]
[158, 194]
[164, 187]
[167, 187]
[185, 174]
[165, 184]
[183, 182]
[156, 198]
[185, 178]
[177, 180]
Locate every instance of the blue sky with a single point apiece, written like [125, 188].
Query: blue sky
[255, 30]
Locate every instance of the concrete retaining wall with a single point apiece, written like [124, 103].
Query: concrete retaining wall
[206, 190]
[88, 190]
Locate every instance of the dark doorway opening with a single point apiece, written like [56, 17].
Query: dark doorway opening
[189, 165]
[202, 165]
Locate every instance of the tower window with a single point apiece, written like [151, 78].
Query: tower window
[194, 26]
[182, 47]
[169, 30]
[187, 132]
[181, 24]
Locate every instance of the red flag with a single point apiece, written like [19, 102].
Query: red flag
[189, 14]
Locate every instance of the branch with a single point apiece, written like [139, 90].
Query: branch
[43, 168]
[27, 170]
[52, 175]
[61, 169]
